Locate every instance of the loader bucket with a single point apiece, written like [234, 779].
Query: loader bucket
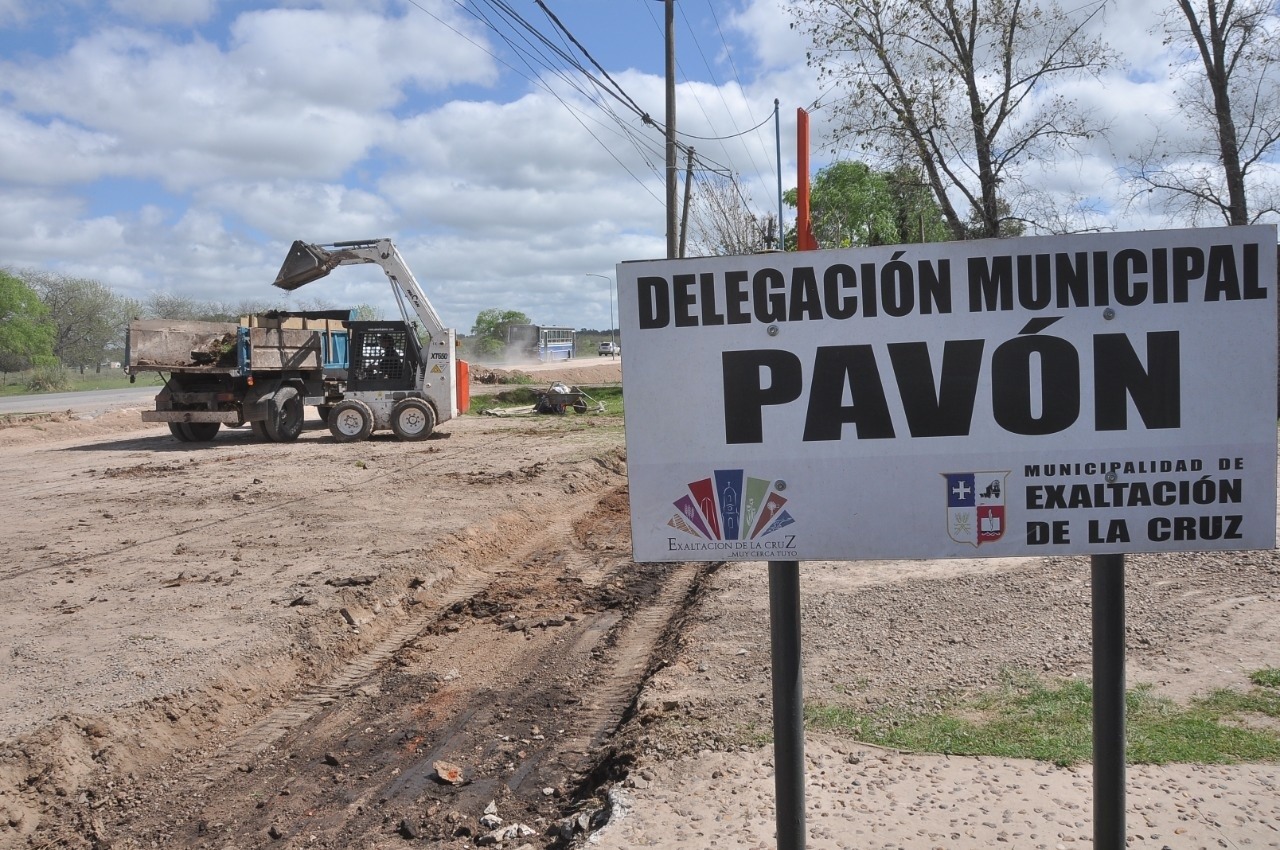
[304, 264]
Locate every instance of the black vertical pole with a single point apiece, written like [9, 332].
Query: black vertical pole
[788, 702]
[1107, 573]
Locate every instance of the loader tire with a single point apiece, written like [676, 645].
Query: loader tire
[412, 419]
[350, 420]
[286, 425]
[202, 432]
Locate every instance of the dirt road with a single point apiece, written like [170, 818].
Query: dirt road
[197, 619]
[444, 644]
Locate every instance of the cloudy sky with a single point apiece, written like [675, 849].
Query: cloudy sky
[180, 146]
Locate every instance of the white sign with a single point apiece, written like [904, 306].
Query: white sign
[1092, 394]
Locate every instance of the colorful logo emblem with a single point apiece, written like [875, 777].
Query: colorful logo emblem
[975, 506]
[731, 505]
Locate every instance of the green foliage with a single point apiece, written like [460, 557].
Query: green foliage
[1266, 678]
[48, 379]
[366, 313]
[26, 331]
[852, 205]
[163, 305]
[107, 379]
[1028, 719]
[489, 333]
[89, 318]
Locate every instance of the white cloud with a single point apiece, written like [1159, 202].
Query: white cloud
[185, 115]
[53, 153]
[315, 212]
[301, 93]
[35, 227]
[359, 60]
[766, 24]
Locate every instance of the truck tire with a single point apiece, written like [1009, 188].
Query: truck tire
[259, 429]
[412, 419]
[179, 430]
[202, 432]
[350, 420]
[286, 425]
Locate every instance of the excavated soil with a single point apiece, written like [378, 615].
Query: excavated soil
[446, 644]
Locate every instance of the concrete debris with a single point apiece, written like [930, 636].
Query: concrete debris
[506, 833]
[449, 772]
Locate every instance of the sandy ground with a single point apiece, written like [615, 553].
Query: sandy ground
[178, 602]
[903, 632]
[859, 797]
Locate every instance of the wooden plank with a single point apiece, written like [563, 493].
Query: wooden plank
[284, 349]
[271, 359]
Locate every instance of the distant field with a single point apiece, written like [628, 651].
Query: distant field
[18, 383]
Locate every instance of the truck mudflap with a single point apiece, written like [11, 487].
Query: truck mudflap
[226, 417]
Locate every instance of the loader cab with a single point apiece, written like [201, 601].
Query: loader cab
[384, 356]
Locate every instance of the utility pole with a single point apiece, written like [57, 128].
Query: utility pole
[672, 251]
[777, 138]
[612, 337]
[684, 211]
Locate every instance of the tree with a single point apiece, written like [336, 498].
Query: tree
[852, 205]
[367, 313]
[89, 318]
[960, 90]
[26, 332]
[490, 330]
[165, 305]
[721, 222]
[1221, 165]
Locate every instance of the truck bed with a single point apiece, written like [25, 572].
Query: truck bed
[167, 345]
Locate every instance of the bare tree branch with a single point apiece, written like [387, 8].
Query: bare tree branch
[959, 84]
[1228, 54]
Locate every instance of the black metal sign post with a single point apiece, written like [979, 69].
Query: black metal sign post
[788, 702]
[1107, 575]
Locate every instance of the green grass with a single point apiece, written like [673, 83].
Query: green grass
[15, 383]
[1268, 678]
[1053, 722]
[523, 396]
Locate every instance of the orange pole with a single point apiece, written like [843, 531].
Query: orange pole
[804, 229]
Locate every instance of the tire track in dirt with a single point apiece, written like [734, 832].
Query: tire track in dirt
[464, 584]
[552, 642]
[541, 478]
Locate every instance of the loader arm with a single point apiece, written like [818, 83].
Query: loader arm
[440, 373]
[306, 263]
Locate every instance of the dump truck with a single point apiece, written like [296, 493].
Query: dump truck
[363, 376]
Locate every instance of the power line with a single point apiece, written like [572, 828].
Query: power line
[537, 51]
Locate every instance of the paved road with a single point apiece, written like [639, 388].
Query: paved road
[92, 403]
[89, 403]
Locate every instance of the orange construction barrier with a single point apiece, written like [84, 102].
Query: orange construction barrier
[463, 380]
